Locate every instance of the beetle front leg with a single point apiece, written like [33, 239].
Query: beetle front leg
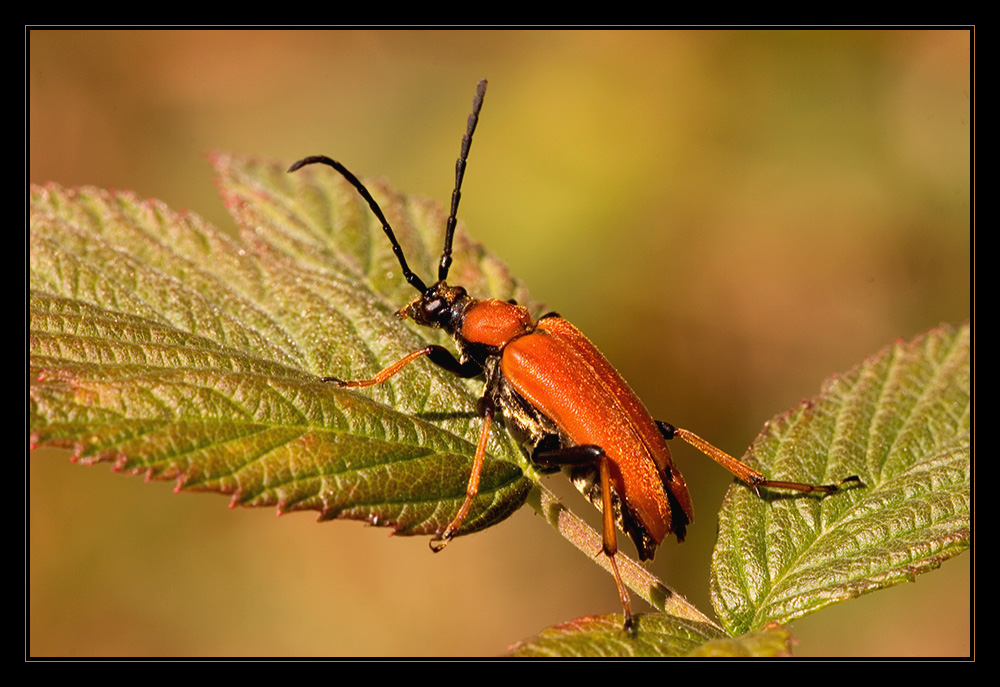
[439, 355]
[589, 454]
[443, 358]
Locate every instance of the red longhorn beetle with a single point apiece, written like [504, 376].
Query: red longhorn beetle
[559, 395]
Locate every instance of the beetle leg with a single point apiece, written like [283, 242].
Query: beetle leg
[589, 454]
[439, 355]
[487, 408]
[611, 539]
[743, 471]
[472, 489]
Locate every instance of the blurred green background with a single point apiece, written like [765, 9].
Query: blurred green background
[730, 216]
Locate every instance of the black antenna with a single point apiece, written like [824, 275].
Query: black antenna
[456, 195]
[411, 278]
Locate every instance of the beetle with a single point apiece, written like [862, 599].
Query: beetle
[558, 395]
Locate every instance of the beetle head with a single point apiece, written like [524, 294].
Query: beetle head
[441, 306]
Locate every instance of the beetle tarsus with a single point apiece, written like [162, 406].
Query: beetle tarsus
[439, 542]
[854, 480]
[630, 624]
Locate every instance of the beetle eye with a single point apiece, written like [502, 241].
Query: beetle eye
[434, 310]
[432, 307]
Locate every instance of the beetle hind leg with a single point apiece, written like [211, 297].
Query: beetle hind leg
[743, 471]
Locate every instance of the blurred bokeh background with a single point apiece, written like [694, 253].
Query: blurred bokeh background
[731, 216]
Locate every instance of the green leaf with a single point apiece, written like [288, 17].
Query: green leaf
[173, 350]
[603, 636]
[901, 421]
[772, 641]
[656, 635]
